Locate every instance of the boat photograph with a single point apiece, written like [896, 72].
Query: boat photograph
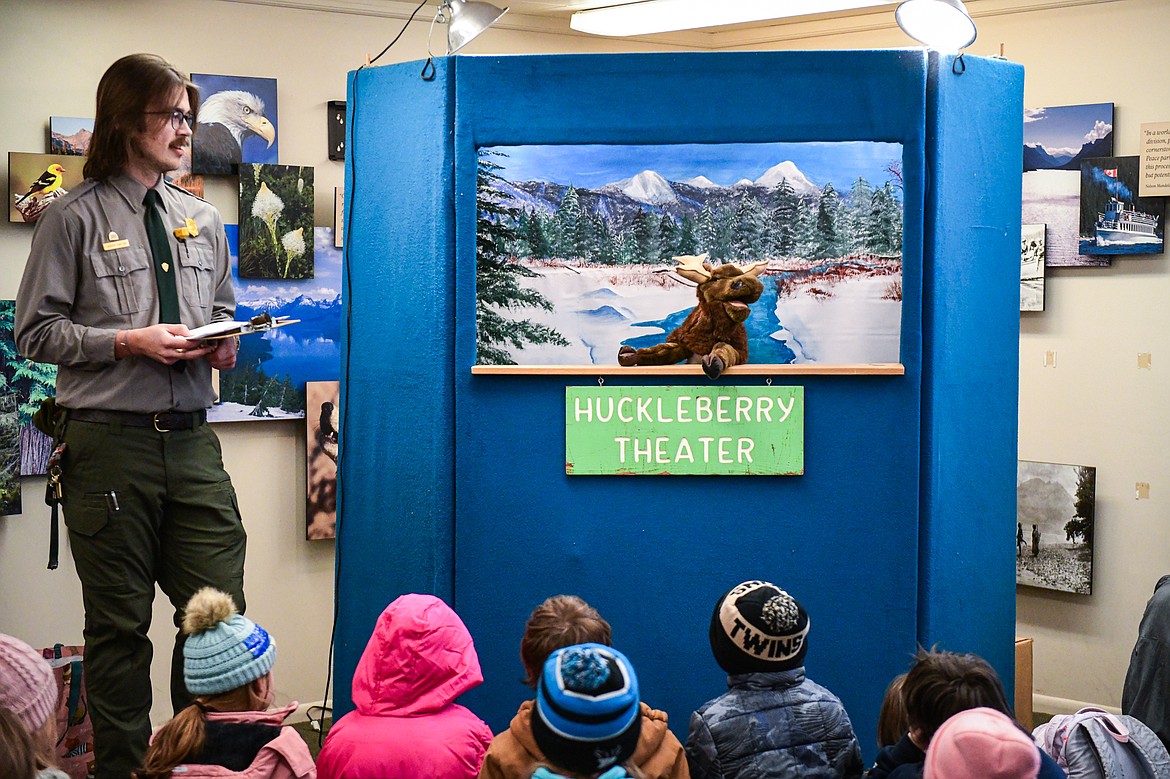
[1114, 220]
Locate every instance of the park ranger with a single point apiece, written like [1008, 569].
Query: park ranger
[120, 270]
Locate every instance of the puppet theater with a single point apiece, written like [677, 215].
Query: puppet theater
[454, 482]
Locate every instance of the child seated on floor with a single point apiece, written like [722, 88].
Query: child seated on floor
[587, 717]
[773, 720]
[981, 744]
[558, 622]
[227, 731]
[405, 721]
[28, 709]
[892, 722]
[938, 686]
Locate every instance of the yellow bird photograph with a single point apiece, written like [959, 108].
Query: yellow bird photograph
[35, 181]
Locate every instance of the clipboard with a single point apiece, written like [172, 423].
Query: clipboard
[261, 323]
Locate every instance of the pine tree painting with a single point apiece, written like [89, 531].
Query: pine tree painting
[29, 383]
[10, 502]
[496, 278]
[575, 245]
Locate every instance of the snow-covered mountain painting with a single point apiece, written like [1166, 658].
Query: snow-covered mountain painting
[268, 381]
[575, 247]
[1056, 140]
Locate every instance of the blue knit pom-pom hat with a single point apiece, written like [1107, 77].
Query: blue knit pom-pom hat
[587, 716]
[224, 650]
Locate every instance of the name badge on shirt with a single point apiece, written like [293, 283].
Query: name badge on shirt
[114, 243]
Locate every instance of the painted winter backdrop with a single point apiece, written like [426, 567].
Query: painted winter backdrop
[574, 247]
[1061, 501]
[268, 381]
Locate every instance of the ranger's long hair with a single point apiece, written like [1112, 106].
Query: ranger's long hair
[128, 89]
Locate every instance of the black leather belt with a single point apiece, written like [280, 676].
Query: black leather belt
[163, 421]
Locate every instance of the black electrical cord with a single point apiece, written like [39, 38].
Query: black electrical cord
[347, 297]
[399, 35]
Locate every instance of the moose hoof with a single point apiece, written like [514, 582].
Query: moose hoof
[713, 366]
[627, 356]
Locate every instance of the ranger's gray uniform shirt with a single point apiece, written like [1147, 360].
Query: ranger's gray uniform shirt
[76, 295]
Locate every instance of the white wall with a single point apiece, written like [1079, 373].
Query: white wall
[1096, 407]
[51, 56]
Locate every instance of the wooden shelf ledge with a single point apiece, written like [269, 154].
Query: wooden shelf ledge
[805, 369]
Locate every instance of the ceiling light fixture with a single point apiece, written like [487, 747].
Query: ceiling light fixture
[653, 16]
[943, 25]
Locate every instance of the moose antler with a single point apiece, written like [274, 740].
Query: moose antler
[693, 267]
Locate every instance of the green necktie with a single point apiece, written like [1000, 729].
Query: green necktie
[164, 263]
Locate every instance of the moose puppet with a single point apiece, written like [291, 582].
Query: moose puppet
[713, 333]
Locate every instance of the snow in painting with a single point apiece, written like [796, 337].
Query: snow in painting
[272, 368]
[575, 247]
[1056, 140]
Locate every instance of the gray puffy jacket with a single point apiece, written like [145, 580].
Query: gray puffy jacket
[773, 725]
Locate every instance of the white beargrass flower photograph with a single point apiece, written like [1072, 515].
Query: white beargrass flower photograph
[278, 202]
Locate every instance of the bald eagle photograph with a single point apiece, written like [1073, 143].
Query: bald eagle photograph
[237, 123]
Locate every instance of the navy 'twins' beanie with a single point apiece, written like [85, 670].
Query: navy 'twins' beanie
[758, 627]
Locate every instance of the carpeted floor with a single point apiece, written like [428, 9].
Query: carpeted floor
[313, 737]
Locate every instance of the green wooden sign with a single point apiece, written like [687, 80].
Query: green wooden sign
[675, 431]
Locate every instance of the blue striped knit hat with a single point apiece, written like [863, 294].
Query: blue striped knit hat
[587, 716]
[224, 649]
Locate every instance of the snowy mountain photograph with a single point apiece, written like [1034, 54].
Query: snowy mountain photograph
[575, 247]
[272, 368]
[1056, 140]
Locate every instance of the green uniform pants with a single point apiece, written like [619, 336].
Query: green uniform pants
[143, 507]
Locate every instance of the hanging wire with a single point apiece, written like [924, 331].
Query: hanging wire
[959, 65]
[428, 71]
[399, 35]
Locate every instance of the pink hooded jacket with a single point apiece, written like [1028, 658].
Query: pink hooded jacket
[405, 724]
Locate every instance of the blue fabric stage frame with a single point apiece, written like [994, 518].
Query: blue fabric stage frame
[899, 532]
